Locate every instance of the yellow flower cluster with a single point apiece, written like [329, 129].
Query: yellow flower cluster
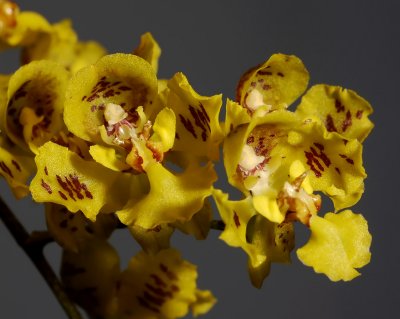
[108, 143]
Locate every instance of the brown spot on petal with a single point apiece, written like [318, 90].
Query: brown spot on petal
[146, 305]
[158, 281]
[16, 165]
[153, 299]
[262, 72]
[314, 157]
[174, 288]
[188, 125]
[236, 219]
[159, 291]
[347, 122]
[329, 124]
[46, 187]
[339, 106]
[6, 169]
[62, 195]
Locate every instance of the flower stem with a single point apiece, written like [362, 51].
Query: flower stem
[35, 253]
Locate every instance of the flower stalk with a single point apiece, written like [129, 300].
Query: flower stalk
[34, 250]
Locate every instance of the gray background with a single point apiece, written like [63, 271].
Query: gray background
[354, 44]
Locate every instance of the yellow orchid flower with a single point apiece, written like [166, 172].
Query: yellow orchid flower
[61, 45]
[259, 156]
[110, 104]
[279, 158]
[107, 142]
[19, 28]
[265, 242]
[90, 277]
[160, 286]
[119, 79]
[32, 112]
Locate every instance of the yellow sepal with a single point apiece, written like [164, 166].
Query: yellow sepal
[149, 50]
[172, 197]
[341, 110]
[276, 83]
[198, 130]
[339, 243]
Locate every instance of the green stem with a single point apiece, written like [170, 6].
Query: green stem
[35, 253]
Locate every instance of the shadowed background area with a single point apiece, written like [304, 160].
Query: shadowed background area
[348, 43]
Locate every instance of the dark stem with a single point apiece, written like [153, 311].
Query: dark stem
[35, 253]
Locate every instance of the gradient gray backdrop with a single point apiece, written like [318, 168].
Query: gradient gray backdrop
[355, 44]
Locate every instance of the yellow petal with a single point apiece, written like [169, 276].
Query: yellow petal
[235, 215]
[108, 157]
[199, 224]
[339, 243]
[270, 240]
[205, 300]
[268, 207]
[122, 79]
[264, 242]
[235, 116]
[149, 50]
[336, 164]
[198, 130]
[152, 240]
[163, 136]
[16, 167]
[171, 197]
[157, 286]
[276, 83]
[65, 178]
[341, 110]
